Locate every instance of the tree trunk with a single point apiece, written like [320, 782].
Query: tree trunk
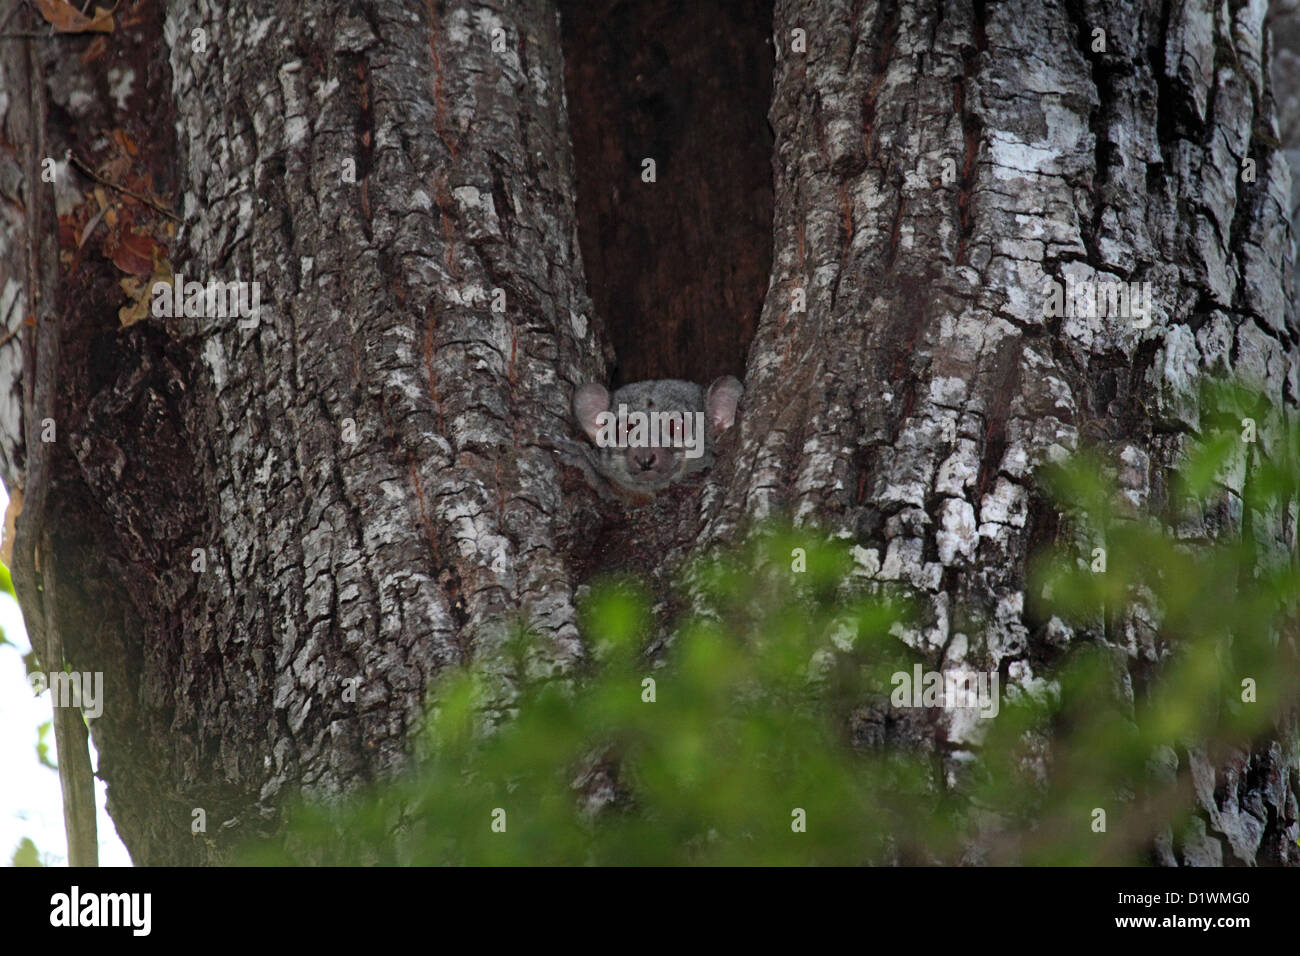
[366, 476]
[384, 558]
[911, 403]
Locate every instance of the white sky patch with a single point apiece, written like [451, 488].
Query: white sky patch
[31, 802]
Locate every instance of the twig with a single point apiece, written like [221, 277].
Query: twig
[36, 591]
[122, 189]
[9, 16]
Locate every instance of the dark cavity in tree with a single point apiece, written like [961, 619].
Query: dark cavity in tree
[677, 268]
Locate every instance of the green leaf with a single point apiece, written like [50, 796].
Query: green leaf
[26, 854]
[43, 733]
[769, 699]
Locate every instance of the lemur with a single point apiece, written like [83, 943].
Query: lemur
[649, 435]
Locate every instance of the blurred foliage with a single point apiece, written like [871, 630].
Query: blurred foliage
[44, 737]
[26, 854]
[6, 587]
[770, 704]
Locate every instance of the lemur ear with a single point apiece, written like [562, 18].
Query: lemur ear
[588, 402]
[720, 402]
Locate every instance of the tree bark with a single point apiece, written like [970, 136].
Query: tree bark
[369, 472]
[910, 405]
[384, 559]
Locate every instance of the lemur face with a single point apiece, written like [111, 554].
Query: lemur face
[651, 434]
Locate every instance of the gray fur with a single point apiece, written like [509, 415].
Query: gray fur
[650, 469]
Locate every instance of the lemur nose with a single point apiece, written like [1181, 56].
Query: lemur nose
[644, 458]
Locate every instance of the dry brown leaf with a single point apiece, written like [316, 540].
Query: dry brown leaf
[68, 232]
[132, 252]
[140, 292]
[11, 525]
[68, 19]
[137, 290]
[98, 47]
[115, 168]
[124, 140]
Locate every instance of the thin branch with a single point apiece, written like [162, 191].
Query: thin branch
[122, 189]
[9, 16]
[36, 591]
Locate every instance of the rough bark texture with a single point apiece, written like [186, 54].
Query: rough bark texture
[1284, 62]
[907, 406]
[910, 404]
[383, 559]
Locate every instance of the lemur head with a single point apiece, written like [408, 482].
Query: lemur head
[651, 434]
